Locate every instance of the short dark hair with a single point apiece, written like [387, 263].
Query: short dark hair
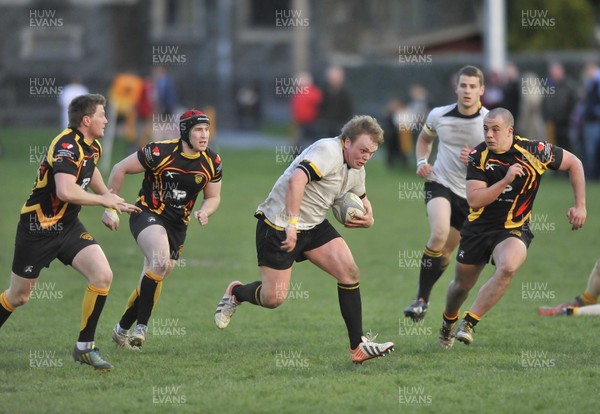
[502, 113]
[363, 124]
[84, 105]
[471, 71]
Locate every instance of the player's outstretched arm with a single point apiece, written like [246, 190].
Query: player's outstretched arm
[129, 165]
[212, 199]
[576, 214]
[68, 191]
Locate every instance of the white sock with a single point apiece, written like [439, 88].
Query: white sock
[121, 330]
[83, 346]
[590, 310]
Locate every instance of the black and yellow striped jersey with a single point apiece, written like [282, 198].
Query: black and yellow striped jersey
[68, 153]
[174, 179]
[513, 206]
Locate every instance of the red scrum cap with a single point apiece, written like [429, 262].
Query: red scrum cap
[188, 119]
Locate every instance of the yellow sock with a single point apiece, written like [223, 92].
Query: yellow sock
[472, 315]
[4, 302]
[588, 299]
[93, 303]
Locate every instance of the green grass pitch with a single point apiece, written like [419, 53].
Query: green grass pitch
[294, 359]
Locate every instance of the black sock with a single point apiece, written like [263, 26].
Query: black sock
[131, 312]
[5, 309]
[248, 293]
[146, 299]
[351, 308]
[448, 319]
[432, 267]
[470, 317]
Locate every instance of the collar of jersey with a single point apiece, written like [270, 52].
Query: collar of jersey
[81, 140]
[188, 156]
[344, 158]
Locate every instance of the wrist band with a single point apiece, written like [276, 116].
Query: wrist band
[293, 220]
[421, 161]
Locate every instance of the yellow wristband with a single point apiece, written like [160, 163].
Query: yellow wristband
[293, 220]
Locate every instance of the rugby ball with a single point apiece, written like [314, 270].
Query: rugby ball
[347, 207]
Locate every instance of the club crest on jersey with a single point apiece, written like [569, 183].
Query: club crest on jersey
[198, 178]
[86, 236]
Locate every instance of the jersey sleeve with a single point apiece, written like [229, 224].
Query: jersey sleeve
[556, 157]
[151, 155]
[65, 156]
[547, 156]
[431, 122]
[217, 168]
[319, 161]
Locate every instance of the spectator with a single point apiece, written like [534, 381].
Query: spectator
[305, 109]
[165, 95]
[531, 122]
[557, 107]
[591, 121]
[336, 107]
[248, 105]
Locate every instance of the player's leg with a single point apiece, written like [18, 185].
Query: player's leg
[17, 294]
[335, 258]
[590, 296]
[93, 265]
[33, 252]
[275, 267]
[436, 255]
[466, 275]
[465, 278]
[588, 310]
[154, 244]
[269, 292]
[509, 255]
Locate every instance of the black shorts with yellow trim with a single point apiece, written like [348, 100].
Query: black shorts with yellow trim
[269, 238]
[36, 248]
[459, 208]
[175, 233]
[477, 248]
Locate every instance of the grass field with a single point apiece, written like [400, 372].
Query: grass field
[294, 359]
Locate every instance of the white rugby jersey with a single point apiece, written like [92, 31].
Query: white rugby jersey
[329, 178]
[454, 130]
